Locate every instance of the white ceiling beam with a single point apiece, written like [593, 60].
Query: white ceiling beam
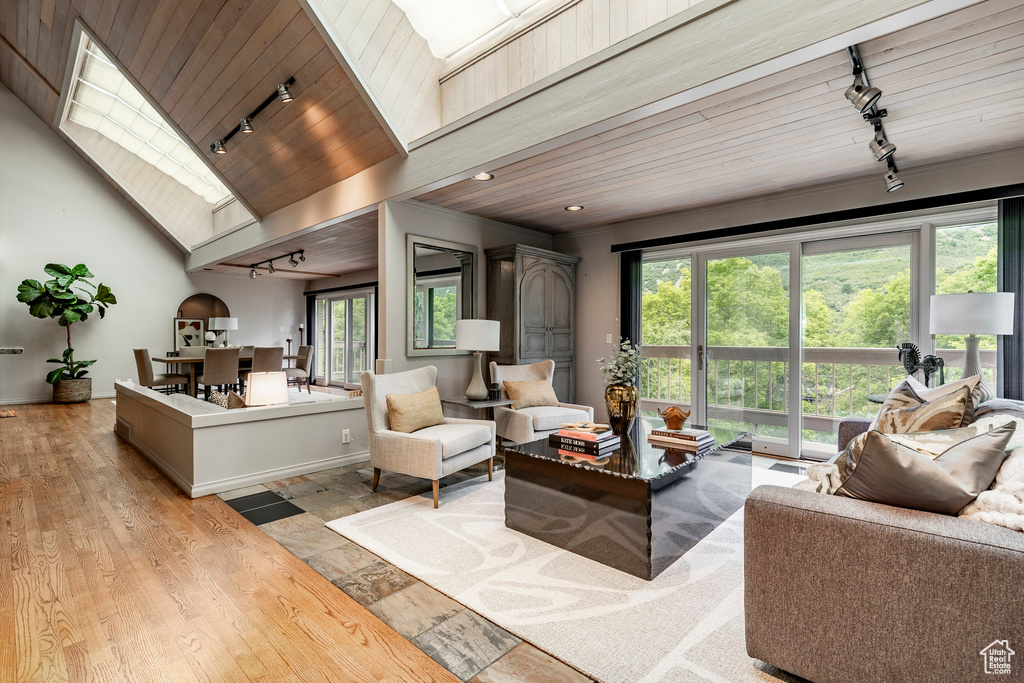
[714, 46]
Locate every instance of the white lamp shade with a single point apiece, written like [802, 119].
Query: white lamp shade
[266, 388]
[972, 313]
[223, 323]
[477, 335]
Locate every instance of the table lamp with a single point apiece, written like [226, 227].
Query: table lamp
[266, 388]
[223, 325]
[972, 314]
[477, 336]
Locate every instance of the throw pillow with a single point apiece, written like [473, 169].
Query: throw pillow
[910, 392]
[905, 411]
[230, 400]
[410, 412]
[892, 472]
[531, 394]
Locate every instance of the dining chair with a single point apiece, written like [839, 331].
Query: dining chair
[300, 373]
[148, 378]
[220, 369]
[264, 359]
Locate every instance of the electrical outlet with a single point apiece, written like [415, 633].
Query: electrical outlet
[346, 436]
[281, 329]
[608, 338]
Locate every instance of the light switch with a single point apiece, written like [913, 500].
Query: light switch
[281, 329]
[608, 339]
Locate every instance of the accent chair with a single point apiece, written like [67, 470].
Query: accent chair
[529, 424]
[300, 373]
[148, 378]
[428, 453]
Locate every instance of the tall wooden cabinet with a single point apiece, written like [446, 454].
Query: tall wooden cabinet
[532, 292]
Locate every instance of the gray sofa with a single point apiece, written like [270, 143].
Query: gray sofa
[840, 590]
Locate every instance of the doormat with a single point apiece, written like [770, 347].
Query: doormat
[8, 413]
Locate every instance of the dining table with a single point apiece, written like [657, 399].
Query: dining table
[194, 362]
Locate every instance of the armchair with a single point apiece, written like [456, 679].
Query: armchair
[428, 453]
[529, 424]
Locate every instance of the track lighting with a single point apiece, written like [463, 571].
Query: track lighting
[302, 256]
[881, 149]
[892, 177]
[862, 96]
[252, 272]
[245, 123]
[271, 269]
[270, 262]
[292, 262]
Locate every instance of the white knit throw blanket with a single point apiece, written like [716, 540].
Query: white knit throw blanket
[1003, 503]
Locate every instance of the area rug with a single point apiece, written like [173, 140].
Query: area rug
[686, 625]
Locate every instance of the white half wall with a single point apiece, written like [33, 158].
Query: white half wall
[597, 282]
[398, 219]
[55, 208]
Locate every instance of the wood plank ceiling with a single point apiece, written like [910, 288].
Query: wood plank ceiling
[345, 247]
[207, 63]
[952, 87]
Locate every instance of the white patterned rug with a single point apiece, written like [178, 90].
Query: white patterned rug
[686, 625]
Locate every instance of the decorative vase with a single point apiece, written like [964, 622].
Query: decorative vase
[72, 390]
[621, 401]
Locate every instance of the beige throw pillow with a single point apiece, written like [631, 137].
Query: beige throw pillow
[895, 473]
[531, 394]
[410, 412]
[904, 411]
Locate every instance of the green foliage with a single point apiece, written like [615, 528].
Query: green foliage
[69, 297]
[624, 366]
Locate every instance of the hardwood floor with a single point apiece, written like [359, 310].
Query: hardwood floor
[107, 572]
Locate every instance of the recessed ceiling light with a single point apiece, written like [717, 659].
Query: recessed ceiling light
[574, 207]
[483, 176]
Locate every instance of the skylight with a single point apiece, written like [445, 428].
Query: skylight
[105, 101]
[450, 25]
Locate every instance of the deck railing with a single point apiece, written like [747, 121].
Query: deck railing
[750, 384]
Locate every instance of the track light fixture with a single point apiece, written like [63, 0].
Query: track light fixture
[881, 149]
[281, 93]
[861, 95]
[271, 269]
[892, 176]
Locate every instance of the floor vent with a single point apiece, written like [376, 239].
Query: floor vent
[123, 429]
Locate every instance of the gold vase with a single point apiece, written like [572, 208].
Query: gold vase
[621, 401]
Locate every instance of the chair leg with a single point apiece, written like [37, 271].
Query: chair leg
[435, 483]
[376, 479]
[206, 391]
[307, 386]
[490, 469]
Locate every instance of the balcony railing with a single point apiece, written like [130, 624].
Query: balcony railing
[750, 384]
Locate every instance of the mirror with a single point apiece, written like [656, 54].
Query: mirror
[440, 291]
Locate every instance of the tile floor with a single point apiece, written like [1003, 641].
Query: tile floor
[468, 645]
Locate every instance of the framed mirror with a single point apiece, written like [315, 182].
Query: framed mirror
[440, 291]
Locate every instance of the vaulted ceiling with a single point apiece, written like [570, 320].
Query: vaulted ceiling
[205, 64]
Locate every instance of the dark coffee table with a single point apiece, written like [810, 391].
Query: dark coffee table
[637, 511]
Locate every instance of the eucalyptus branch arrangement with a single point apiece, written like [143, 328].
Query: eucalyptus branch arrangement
[623, 367]
[69, 297]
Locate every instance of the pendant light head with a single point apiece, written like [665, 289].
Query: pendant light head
[892, 177]
[881, 149]
[283, 93]
[218, 147]
[861, 96]
[245, 125]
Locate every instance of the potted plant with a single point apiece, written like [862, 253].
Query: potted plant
[621, 396]
[66, 299]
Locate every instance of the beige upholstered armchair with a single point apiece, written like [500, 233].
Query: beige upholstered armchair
[530, 424]
[431, 452]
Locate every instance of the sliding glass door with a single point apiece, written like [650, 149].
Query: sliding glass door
[344, 336]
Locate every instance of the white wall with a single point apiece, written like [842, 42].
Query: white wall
[55, 207]
[398, 219]
[597, 304]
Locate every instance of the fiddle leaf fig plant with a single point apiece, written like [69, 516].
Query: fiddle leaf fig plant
[69, 297]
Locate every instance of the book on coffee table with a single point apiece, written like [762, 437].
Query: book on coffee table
[604, 447]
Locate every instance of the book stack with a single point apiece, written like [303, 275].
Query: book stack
[598, 441]
[691, 440]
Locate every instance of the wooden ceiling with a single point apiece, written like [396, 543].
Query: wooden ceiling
[952, 87]
[345, 247]
[206, 63]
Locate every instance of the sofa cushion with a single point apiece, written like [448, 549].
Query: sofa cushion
[528, 394]
[905, 411]
[455, 438]
[895, 470]
[546, 418]
[411, 412]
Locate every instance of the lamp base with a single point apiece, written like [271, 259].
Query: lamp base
[972, 366]
[477, 390]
